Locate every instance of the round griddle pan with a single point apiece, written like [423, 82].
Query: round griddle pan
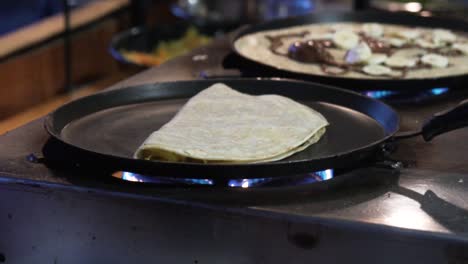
[104, 130]
[252, 68]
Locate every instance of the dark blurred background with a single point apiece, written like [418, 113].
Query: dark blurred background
[18, 13]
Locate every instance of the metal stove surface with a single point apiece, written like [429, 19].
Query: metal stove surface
[418, 215]
[87, 225]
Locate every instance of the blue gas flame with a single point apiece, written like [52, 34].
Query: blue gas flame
[134, 177]
[439, 91]
[129, 176]
[379, 94]
[235, 183]
[246, 183]
[383, 94]
[311, 178]
[325, 174]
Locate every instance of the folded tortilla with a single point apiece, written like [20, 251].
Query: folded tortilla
[221, 125]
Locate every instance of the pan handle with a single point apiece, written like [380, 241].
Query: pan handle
[445, 121]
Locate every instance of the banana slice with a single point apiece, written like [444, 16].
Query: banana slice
[377, 70]
[408, 34]
[396, 42]
[426, 44]
[377, 58]
[373, 29]
[461, 47]
[322, 36]
[435, 60]
[400, 62]
[443, 36]
[359, 53]
[341, 27]
[345, 39]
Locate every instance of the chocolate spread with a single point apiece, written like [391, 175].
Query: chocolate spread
[276, 42]
[310, 51]
[316, 51]
[376, 45]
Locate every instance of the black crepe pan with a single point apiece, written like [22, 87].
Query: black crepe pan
[103, 130]
[252, 68]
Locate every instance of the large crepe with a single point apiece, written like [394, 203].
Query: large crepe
[255, 46]
[221, 125]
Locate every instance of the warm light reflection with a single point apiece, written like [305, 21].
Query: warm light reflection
[413, 7]
[409, 215]
[402, 210]
[404, 217]
[425, 13]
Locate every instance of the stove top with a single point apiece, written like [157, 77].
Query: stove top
[428, 196]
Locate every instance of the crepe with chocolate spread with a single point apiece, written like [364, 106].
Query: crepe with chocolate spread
[360, 50]
[221, 125]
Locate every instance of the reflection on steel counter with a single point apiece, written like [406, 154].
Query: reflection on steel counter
[88, 225]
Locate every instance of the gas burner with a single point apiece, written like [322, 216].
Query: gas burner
[308, 178]
[407, 96]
